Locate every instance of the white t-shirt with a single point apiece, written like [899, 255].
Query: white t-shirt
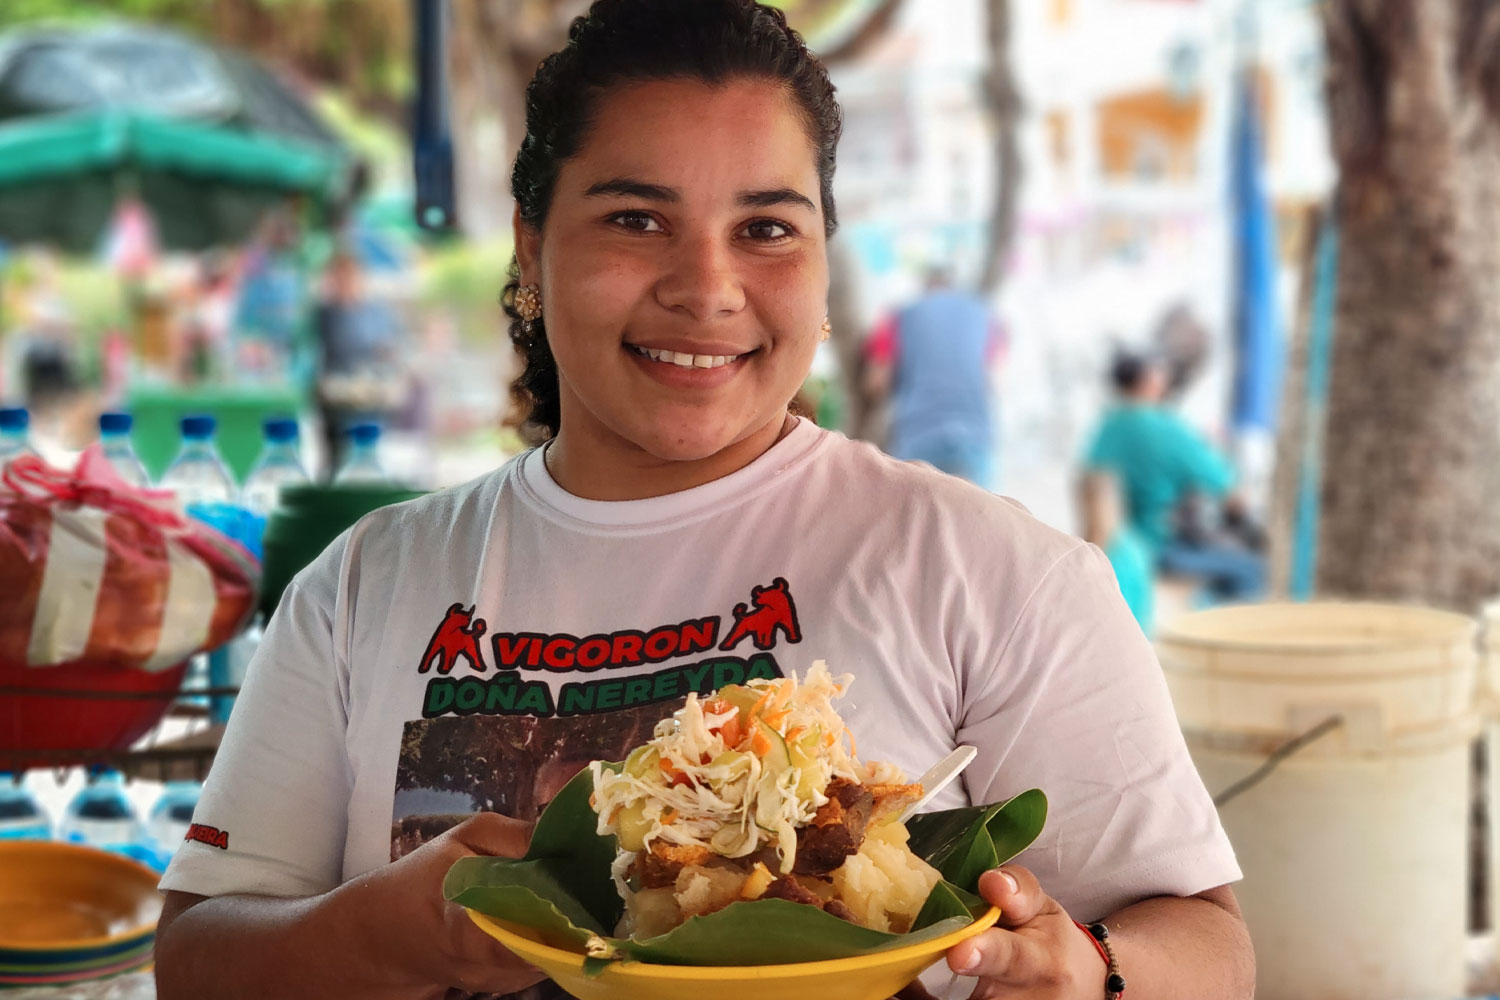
[474, 648]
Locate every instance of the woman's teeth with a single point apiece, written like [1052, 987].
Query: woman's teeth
[687, 360]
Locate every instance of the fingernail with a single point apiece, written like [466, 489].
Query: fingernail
[967, 962]
[1010, 880]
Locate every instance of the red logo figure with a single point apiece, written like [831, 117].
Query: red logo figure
[773, 610]
[455, 637]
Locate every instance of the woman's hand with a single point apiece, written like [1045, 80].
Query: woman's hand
[420, 937]
[1034, 951]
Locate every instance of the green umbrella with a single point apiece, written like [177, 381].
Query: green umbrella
[207, 139]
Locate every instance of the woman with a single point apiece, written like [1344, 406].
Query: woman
[680, 531]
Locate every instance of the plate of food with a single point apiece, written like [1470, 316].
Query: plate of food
[745, 845]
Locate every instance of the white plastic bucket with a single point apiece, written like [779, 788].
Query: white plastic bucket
[1354, 847]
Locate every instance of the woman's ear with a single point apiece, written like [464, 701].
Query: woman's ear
[528, 247]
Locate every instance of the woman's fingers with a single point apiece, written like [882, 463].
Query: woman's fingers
[1020, 952]
[494, 835]
[1016, 892]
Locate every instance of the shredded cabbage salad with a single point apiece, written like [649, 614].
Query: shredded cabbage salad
[736, 771]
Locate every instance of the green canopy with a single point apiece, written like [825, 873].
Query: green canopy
[208, 140]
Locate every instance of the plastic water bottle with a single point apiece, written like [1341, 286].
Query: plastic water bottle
[173, 814]
[198, 475]
[279, 465]
[101, 816]
[114, 437]
[21, 815]
[14, 424]
[363, 462]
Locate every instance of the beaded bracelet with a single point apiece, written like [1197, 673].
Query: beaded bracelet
[1114, 983]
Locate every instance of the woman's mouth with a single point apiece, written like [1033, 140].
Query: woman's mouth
[708, 361]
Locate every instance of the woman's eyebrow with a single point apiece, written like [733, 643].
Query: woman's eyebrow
[631, 188]
[777, 196]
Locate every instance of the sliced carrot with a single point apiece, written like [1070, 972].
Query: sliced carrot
[669, 817]
[732, 732]
[760, 743]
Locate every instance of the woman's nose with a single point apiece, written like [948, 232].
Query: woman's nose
[701, 279]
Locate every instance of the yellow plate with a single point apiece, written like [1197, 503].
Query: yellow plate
[69, 897]
[866, 977]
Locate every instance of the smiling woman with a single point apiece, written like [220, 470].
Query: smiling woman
[677, 532]
[683, 296]
[675, 225]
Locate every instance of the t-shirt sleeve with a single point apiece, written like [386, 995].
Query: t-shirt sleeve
[1099, 455]
[1204, 467]
[1075, 704]
[272, 817]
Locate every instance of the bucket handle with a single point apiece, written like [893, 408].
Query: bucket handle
[1277, 756]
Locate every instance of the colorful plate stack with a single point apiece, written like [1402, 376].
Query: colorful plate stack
[70, 913]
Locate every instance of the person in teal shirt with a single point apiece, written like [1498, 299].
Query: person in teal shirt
[1159, 462]
[1129, 556]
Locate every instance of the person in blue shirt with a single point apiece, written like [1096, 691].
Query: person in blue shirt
[932, 362]
[1161, 464]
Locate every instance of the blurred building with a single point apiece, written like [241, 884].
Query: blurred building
[1124, 208]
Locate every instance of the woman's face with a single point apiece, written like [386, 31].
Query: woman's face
[683, 270]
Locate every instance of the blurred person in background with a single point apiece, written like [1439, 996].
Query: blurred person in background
[204, 315]
[356, 338]
[269, 300]
[1102, 510]
[931, 362]
[44, 348]
[1165, 468]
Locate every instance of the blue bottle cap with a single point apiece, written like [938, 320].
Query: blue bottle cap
[364, 433]
[280, 430]
[115, 423]
[14, 418]
[199, 427]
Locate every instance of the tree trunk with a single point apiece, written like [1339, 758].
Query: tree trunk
[496, 46]
[1411, 487]
[1004, 101]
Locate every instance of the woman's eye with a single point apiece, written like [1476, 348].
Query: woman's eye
[768, 230]
[639, 222]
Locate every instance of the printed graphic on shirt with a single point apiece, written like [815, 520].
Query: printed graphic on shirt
[607, 665]
[210, 835]
[457, 635]
[508, 718]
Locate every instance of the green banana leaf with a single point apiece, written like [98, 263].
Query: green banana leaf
[563, 889]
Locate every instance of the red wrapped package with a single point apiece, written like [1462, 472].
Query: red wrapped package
[104, 588]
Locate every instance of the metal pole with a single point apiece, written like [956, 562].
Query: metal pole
[432, 139]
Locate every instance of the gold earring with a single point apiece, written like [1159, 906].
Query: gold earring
[528, 302]
[827, 329]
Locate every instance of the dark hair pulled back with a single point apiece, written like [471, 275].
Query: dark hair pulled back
[621, 41]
